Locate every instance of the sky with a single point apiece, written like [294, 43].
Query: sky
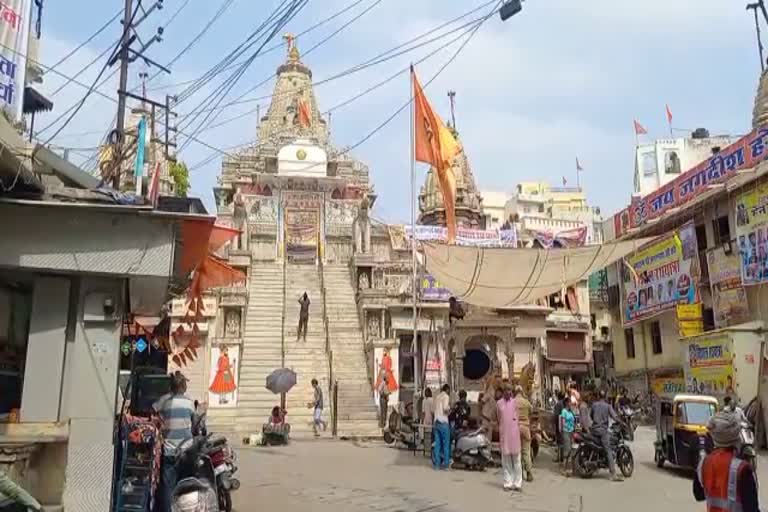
[560, 80]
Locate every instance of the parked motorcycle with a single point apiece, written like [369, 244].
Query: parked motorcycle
[590, 455]
[400, 429]
[223, 459]
[473, 450]
[747, 436]
[196, 490]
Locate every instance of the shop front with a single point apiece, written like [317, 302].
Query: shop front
[566, 358]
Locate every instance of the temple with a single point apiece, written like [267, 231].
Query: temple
[303, 208]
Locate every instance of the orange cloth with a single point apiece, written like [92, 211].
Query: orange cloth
[386, 369]
[435, 144]
[224, 382]
[305, 115]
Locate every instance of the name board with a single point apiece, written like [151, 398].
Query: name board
[14, 38]
[742, 154]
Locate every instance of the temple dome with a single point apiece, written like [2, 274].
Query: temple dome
[760, 111]
[469, 207]
[294, 85]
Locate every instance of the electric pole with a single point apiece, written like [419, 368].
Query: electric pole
[126, 55]
[452, 99]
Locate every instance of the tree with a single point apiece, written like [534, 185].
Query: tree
[180, 175]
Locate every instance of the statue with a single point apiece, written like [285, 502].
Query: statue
[373, 327]
[363, 282]
[240, 217]
[362, 228]
[232, 324]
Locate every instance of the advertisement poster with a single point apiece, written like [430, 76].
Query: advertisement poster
[431, 289]
[752, 234]
[223, 376]
[709, 365]
[660, 276]
[690, 320]
[668, 383]
[729, 299]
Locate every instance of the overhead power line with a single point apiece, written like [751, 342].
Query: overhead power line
[84, 43]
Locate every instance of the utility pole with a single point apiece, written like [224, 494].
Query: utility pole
[452, 99]
[126, 55]
[754, 7]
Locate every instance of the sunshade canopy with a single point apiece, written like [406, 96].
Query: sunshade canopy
[504, 277]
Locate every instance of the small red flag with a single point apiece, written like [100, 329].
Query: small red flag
[669, 115]
[154, 186]
[578, 165]
[639, 129]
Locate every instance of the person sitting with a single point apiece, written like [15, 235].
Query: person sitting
[276, 424]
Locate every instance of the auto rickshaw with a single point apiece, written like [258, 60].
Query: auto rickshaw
[681, 429]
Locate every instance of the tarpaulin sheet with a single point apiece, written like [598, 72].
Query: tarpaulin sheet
[503, 277]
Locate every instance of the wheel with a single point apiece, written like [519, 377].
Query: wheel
[625, 461]
[581, 465]
[225, 500]
[388, 437]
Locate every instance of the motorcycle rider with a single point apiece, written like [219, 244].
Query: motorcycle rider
[723, 480]
[730, 405]
[602, 414]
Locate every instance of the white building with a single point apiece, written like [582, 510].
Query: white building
[663, 160]
[494, 204]
[538, 208]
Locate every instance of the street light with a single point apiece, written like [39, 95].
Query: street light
[510, 8]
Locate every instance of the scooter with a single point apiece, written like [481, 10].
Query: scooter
[400, 429]
[473, 450]
[196, 490]
[223, 459]
[747, 437]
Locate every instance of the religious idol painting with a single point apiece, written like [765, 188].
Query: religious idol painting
[222, 388]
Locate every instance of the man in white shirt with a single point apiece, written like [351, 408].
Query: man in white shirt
[441, 452]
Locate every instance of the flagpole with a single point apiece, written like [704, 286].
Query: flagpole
[414, 344]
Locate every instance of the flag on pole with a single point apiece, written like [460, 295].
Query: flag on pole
[435, 144]
[154, 186]
[669, 115]
[305, 114]
[565, 182]
[578, 165]
[639, 129]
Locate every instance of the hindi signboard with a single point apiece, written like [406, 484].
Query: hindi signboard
[709, 365]
[729, 300]
[14, 38]
[661, 276]
[690, 320]
[745, 153]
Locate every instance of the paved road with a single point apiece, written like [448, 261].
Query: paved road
[337, 476]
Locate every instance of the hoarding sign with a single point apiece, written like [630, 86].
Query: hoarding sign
[709, 365]
[661, 276]
[729, 300]
[752, 234]
[14, 38]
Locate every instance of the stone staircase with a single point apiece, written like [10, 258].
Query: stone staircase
[261, 353]
[308, 359]
[357, 414]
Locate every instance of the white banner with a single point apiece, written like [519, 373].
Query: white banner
[14, 38]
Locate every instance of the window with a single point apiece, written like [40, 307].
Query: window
[671, 163]
[701, 238]
[656, 338]
[629, 339]
[722, 230]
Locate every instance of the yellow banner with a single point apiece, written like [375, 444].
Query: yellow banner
[667, 386]
[689, 311]
[709, 365]
[689, 328]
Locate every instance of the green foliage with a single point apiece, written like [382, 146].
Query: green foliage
[180, 175]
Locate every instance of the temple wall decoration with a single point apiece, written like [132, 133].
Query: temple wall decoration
[224, 375]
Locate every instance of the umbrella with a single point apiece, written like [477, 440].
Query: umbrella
[281, 380]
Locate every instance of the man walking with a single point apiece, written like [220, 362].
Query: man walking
[178, 415]
[441, 451]
[318, 409]
[524, 418]
[304, 303]
[602, 414]
[509, 441]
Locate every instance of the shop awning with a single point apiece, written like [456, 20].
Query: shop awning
[501, 277]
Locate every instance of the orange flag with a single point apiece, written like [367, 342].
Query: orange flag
[305, 115]
[435, 144]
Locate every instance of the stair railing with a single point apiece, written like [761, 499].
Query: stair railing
[326, 327]
[285, 305]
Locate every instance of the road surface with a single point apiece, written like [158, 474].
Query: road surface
[339, 476]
